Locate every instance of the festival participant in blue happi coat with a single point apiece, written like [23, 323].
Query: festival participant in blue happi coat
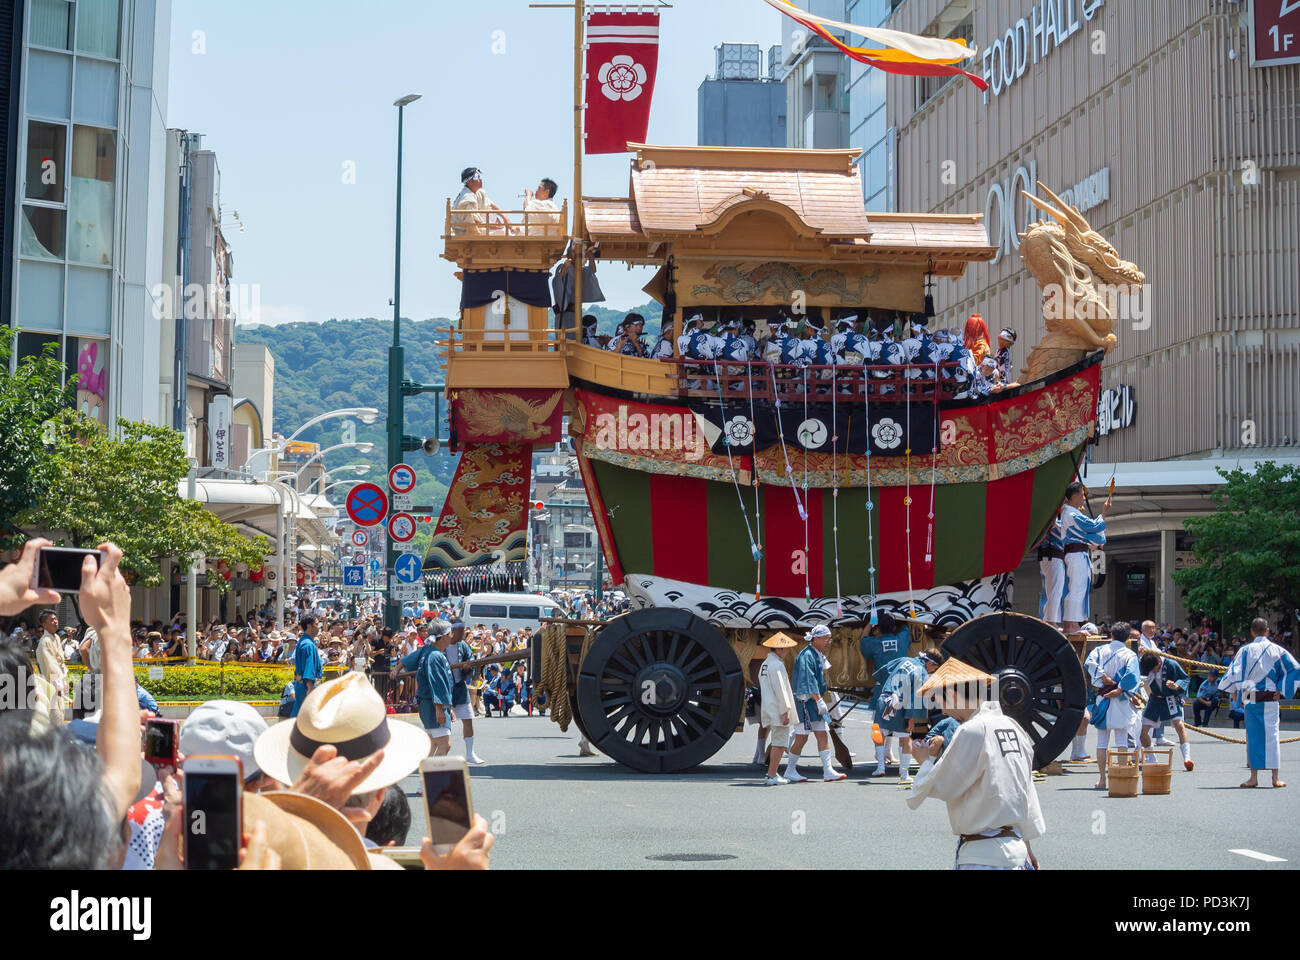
[888, 640]
[1114, 672]
[1079, 533]
[307, 667]
[1168, 682]
[1261, 674]
[811, 708]
[436, 711]
[896, 705]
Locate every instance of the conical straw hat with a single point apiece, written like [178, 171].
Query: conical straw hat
[954, 673]
[780, 641]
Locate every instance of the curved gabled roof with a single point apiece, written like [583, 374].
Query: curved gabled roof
[682, 189]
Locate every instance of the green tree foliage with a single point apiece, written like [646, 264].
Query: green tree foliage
[1249, 549]
[344, 363]
[29, 398]
[126, 489]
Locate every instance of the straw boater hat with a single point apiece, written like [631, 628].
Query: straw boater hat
[780, 641]
[954, 673]
[307, 833]
[349, 714]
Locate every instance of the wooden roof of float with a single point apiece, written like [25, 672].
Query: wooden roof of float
[689, 196]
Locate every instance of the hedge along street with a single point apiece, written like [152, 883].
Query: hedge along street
[209, 681]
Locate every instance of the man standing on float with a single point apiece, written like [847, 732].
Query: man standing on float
[1079, 533]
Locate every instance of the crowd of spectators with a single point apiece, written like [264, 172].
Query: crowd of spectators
[80, 795]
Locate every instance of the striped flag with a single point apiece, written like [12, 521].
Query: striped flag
[896, 52]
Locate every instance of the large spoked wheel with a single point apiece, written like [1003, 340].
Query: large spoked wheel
[660, 690]
[1040, 682]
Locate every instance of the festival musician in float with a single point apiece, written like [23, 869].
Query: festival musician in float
[663, 348]
[1261, 674]
[542, 215]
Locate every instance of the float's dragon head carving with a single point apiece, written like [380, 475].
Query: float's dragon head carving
[1083, 279]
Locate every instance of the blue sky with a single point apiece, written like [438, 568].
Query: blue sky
[287, 93]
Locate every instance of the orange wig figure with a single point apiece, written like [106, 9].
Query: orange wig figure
[977, 339]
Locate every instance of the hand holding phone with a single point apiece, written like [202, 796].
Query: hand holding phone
[59, 568]
[160, 742]
[449, 809]
[214, 812]
[16, 590]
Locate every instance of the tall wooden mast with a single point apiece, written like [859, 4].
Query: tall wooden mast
[579, 26]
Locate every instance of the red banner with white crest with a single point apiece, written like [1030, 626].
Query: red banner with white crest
[622, 61]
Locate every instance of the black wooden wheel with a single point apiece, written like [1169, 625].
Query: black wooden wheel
[1040, 681]
[660, 690]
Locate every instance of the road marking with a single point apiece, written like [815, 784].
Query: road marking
[1256, 855]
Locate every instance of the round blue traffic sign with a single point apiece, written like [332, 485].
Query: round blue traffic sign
[367, 504]
[401, 479]
[408, 568]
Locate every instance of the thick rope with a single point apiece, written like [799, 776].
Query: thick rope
[1194, 663]
[555, 674]
[1219, 736]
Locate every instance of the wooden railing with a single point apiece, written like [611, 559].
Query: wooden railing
[513, 340]
[787, 382]
[515, 224]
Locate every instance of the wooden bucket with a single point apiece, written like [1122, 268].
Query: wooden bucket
[1158, 774]
[1122, 772]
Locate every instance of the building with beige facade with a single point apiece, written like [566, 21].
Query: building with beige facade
[1152, 119]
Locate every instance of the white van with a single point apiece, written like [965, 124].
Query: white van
[512, 611]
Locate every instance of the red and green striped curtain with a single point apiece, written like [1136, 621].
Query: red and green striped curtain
[693, 530]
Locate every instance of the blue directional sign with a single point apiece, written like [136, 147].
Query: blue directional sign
[375, 565]
[408, 568]
[354, 576]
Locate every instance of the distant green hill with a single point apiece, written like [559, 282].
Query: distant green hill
[344, 363]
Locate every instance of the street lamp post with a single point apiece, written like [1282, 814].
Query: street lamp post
[364, 446]
[366, 415]
[396, 365]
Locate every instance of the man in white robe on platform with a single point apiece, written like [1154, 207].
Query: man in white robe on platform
[541, 214]
[1262, 673]
[470, 208]
[985, 774]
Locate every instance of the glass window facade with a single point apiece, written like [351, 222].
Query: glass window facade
[65, 271]
[51, 23]
[868, 127]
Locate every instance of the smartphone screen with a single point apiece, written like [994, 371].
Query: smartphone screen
[212, 820]
[159, 740]
[59, 568]
[446, 798]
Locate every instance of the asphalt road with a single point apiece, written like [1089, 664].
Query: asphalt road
[550, 808]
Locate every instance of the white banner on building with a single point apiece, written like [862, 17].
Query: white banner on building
[220, 413]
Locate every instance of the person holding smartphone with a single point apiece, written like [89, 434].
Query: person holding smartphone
[307, 668]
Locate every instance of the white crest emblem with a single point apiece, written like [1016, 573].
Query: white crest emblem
[887, 434]
[622, 78]
[812, 433]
